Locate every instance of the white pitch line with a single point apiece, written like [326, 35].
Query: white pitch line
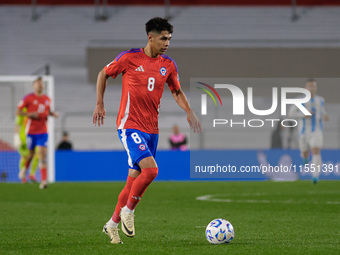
[254, 201]
[323, 192]
[209, 198]
[333, 203]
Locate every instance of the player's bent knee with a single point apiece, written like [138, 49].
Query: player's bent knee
[148, 162]
[154, 172]
[134, 173]
[150, 173]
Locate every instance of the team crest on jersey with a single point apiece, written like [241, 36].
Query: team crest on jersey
[142, 147]
[163, 71]
[47, 102]
[35, 102]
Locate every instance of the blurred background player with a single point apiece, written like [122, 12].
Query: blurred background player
[38, 110]
[276, 138]
[21, 146]
[65, 144]
[145, 71]
[178, 140]
[311, 128]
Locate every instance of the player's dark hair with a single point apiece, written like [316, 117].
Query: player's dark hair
[158, 25]
[311, 80]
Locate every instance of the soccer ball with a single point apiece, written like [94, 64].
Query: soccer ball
[219, 231]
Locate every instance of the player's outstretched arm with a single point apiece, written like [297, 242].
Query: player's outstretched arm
[324, 113]
[53, 114]
[182, 101]
[99, 112]
[32, 115]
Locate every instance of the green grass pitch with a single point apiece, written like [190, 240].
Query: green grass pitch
[268, 217]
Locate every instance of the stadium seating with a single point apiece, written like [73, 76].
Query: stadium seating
[61, 36]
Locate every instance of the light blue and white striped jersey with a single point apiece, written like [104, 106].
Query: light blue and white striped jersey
[310, 124]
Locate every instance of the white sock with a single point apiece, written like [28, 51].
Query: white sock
[127, 210]
[317, 161]
[112, 224]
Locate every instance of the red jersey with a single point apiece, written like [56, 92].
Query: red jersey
[143, 85]
[41, 105]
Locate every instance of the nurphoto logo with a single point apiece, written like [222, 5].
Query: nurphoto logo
[238, 109]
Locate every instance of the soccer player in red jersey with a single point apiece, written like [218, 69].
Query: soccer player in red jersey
[145, 71]
[38, 110]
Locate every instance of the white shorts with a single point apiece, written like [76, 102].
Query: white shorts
[311, 140]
